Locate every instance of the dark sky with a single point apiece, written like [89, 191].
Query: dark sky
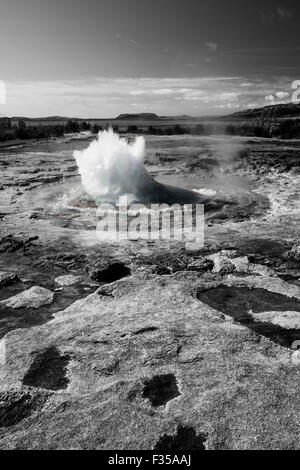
[102, 57]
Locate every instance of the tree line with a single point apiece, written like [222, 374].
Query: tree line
[285, 129]
[24, 131]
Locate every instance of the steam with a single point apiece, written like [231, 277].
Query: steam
[111, 166]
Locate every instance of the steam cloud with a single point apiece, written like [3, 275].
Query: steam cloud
[111, 167]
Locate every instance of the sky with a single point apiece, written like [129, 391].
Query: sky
[100, 58]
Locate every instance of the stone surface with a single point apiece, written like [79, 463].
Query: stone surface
[67, 280]
[289, 320]
[228, 261]
[7, 278]
[171, 366]
[223, 261]
[12, 244]
[34, 297]
[294, 253]
[296, 357]
[17, 405]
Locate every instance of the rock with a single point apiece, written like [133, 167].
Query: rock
[17, 405]
[243, 265]
[145, 272]
[227, 261]
[66, 261]
[170, 263]
[107, 270]
[222, 262]
[34, 297]
[67, 280]
[11, 244]
[165, 362]
[290, 320]
[7, 278]
[201, 265]
[294, 253]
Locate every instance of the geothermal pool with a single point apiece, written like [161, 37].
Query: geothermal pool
[42, 192]
[42, 187]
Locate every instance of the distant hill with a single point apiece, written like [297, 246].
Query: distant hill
[279, 111]
[139, 116]
[276, 121]
[48, 118]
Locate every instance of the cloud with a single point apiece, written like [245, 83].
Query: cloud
[155, 91]
[192, 94]
[125, 39]
[246, 84]
[212, 46]
[228, 106]
[284, 13]
[102, 97]
[279, 97]
[278, 14]
[164, 91]
[137, 92]
[282, 95]
[2, 92]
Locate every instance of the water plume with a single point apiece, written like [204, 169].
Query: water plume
[112, 167]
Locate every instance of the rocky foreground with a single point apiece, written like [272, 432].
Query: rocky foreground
[160, 361]
[146, 345]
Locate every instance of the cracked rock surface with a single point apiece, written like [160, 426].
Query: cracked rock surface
[156, 356]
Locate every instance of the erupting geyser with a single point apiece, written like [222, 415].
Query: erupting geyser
[112, 167]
